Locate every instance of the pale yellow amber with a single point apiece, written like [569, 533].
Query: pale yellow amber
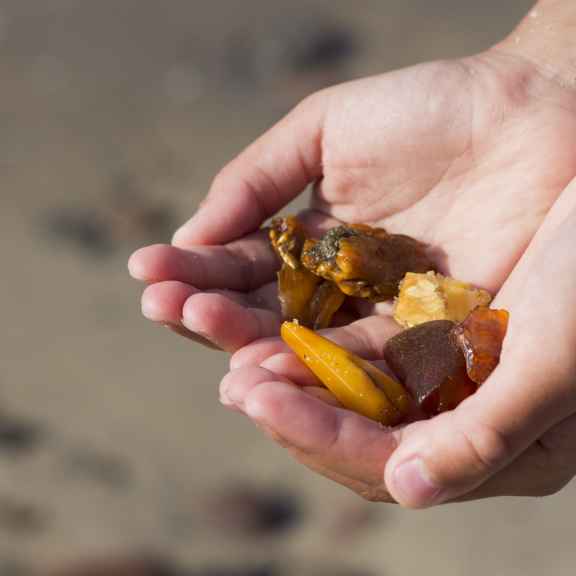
[427, 297]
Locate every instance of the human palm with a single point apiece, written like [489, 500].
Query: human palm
[467, 156]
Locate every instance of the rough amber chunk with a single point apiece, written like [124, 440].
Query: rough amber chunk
[303, 296]
[288, 236]
[480, 337]
[431, 365]
[365, 262]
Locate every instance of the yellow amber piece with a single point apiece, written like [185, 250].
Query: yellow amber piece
[430, 296]
[358, 385]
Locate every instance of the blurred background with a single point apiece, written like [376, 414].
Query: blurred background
[115, 115]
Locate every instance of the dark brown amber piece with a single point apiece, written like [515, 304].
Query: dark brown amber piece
[365, 262]
[303, 296]
[480, 337]
[430, 365]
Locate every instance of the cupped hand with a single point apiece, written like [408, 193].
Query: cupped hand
[467, 156]
[515, 436]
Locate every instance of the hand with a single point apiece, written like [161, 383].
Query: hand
[515, 436]
[467, 156]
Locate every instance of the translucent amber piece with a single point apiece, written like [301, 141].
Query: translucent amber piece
[357, 384]
[480, 337]
[430, 296]
[431, 365]
[325, 302]
[303, 296]
[365, 262]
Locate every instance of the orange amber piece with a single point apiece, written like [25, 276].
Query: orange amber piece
[365, 262]
[480, 337]
[431, 365]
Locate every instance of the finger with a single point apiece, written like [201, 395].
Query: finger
[532, 389]
[163, 303]
[289, 366]
[242, 265]
[226, 323]
[365, 337]
[236, 385]
[215, 320]
[261, 180]
[324, 438]
[373, 492]
[320, 436]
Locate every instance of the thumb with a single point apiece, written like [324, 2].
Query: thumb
[454, 453]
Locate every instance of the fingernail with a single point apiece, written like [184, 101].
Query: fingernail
[233, 403]
[146, 315]
[210, 340]
[415, 485]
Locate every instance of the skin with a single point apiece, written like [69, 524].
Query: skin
[476, 159]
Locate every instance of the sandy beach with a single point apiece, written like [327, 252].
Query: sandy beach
[115, 116]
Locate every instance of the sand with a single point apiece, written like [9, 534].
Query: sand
[115, 117]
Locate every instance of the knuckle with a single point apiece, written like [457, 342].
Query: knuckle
[486, 448]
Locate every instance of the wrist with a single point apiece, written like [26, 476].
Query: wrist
[546, 40]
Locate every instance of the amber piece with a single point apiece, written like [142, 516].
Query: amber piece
[303, 296]
[431, 365]
[356, 383]
[365, 262]
[288, 236]
[326, 300]
[296, 288]
[480, 337]
[430, 296]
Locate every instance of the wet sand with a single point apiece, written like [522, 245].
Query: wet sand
[115, 117]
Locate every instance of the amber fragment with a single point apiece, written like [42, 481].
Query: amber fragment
[431, 365]
[356, 383]
[430, 296]
[303, 296]
[325, 301]
[288, 236]
[480, 337]
[296, 288]
[365, 262]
